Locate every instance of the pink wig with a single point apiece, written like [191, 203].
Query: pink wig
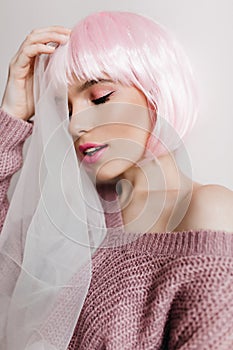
[134, 50]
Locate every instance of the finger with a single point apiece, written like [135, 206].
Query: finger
[46, 37]
[37, 38]
[29, 52]
[57, 29]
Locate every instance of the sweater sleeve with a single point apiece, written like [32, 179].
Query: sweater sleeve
[201, 315]
[13, 133]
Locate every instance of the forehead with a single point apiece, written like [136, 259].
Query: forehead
[85, 84]
[78, 86]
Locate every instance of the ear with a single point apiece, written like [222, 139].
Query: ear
[152, 108]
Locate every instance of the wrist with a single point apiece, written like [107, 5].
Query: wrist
[13, 113]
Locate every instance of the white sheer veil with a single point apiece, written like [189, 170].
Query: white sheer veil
[49, 233]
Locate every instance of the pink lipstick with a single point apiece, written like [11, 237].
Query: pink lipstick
[92, 152]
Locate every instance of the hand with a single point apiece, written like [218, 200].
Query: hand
[18, 96]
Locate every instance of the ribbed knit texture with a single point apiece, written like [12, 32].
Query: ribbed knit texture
[171, 290]
[13, 133]
[140, 300]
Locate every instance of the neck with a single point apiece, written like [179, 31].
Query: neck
[150, 192]
[157, 175]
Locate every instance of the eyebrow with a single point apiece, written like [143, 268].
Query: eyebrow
[89, 83]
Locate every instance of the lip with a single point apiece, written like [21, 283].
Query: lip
[87, 145]
[96, 156]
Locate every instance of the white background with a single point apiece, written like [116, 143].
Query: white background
[204, 28]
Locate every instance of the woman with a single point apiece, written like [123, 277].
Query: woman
[123, 89]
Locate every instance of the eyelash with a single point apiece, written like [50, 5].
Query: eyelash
[98, 101]
[102, 99]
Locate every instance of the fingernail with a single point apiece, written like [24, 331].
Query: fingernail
[52, 45]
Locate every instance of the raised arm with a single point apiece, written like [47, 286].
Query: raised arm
[18, 104]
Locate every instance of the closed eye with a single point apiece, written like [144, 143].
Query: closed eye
[102, 99]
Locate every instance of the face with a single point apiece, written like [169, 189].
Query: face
[110, 126]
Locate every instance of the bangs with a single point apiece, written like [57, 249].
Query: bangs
[133, 50]
[100, 45]
[106, 44]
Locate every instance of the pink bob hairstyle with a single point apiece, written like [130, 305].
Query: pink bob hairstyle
[133, 50]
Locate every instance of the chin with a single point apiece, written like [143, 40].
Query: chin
[104, 176]
[111, 171]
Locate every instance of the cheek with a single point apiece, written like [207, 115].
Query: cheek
[125, 132]
[127, 143]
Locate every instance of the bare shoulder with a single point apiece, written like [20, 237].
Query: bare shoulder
[211, 207]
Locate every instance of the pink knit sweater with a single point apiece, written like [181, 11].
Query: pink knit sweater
[152, 291]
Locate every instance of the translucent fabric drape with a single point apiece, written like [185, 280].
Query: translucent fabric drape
[49, 233]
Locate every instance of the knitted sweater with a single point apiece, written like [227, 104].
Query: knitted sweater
[171, 290]
[13, 133]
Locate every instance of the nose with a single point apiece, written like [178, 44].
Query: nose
[82, 121]
[75, 129]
